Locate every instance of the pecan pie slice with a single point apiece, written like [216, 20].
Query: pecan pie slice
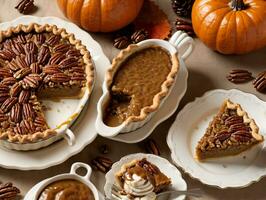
[231, 132]
[141, 179]
[38, 61]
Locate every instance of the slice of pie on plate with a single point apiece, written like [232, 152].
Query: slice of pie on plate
[141, 179]
[230, 132]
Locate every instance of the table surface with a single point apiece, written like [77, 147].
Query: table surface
[207, 71]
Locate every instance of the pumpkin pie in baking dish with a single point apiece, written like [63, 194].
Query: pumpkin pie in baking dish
[138, 81]
[231, 132]
[38, 61]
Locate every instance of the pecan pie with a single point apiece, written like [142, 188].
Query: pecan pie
[231, 132]
[138, 81]
[38, 61]
[141, 179]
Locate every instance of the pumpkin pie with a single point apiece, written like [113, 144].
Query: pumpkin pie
[230, 132]
[138, 81]
[38, 61]
[140, 178]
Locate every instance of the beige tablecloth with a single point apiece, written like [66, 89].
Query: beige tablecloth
[207, 70]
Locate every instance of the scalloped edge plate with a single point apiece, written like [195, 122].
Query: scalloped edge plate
[190, 124]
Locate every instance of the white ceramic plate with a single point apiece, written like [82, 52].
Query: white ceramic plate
[168, 108]
[84, 130]
[178, 183]
[190, 125]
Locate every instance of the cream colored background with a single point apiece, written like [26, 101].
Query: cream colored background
[207, 70]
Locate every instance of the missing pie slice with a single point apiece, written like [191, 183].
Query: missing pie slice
[140, 178]
[230, 132]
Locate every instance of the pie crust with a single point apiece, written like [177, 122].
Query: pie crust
[86, 64]
[228, 134]
[165, 86]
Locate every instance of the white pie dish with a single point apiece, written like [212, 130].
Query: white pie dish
[177, 41]
[232, 171]
[71, 175]
[55, 121]
[178, 183]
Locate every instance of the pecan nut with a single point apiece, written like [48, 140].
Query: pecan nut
[152, 147]
[15, 113]
[51, 69]
[15, 89]
[18, 49]
[73, 53]
[102, 164]
[68, 63]
[8, 191]
[61, 48]
[239, 76]
[242, 136]
[40, 38]
[24, 6]
[53, 40]
[30, 58]
[31, 47]
[44, 55]
[7, 54]
[20, 61]
[24, 96]
[57, 58]
[60, 78]
[35, 68]
[8, 104]
[32, 81]
[139, 35]
[222, 136]
[27, 111]
[5, 72]
[260, 82]
[3, 117]
[22, 73]
[28, 125]
[78, 76]
[8, 81]
[121, 42]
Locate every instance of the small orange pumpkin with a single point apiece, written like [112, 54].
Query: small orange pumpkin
[230, 26]
[100, 15]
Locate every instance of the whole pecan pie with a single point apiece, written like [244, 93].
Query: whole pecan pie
[38, 61]
[231, 132]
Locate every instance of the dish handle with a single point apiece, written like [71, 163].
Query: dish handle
[69, 136]
[181, 40]
[78, 165]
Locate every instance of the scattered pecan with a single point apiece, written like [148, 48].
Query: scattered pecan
[8, 81]
[61, 48]
[57, 58]
[53, 40]
[44, 55]
[68, 63]
[25, 6]
[102, 164]
[184, 25]
[121, 42]
[15, 89]
[24, 96]
[8, 191]
[152, 147]
[22, 73]
[260, 82]
[27, 111]
[15, 113]
[8, 104]
[239, 76]
[104, 149]
[139, 35]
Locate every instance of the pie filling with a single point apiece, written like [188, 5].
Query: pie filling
[141, 179]
[66, 190]
[138, 79]
[230, 132]
[32, 66]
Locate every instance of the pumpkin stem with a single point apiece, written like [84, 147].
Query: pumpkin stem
[238, 5]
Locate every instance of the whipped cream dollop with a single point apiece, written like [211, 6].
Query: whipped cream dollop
[139, 187]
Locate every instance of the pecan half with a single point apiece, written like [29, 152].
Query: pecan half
[68, 63]
[18, 48]
[56, 58]
[33, 81]
[27, 111]
[22, 73]
[4, 88]
[53, 40]
[30, 58]
[102, 164]
[13, 65]
[222, 136]
[40, 38]
[15, 113]
[24, 96]
[139, 35]
[60, 78]
[7, 54]
[5, 72]
[8, 104]
[40, 122]
[73, 53]
[233, 120]
[15, 89]
[238, 127]
[78, 69]
[21, 38]
[242, 136]
[51, 69]
[44, 55]
[78, 76]
[28, 125]
[152, 147]
[4, 96]
[20, 60]
[3, 117]
[20, 130]
[260, 82]
[31, 47]
[61, 48]
[35, 68]
[239, 76]
[8, 191]
[8, 81]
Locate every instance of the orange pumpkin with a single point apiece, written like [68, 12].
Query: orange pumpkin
[230, 26]
[101, 15]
